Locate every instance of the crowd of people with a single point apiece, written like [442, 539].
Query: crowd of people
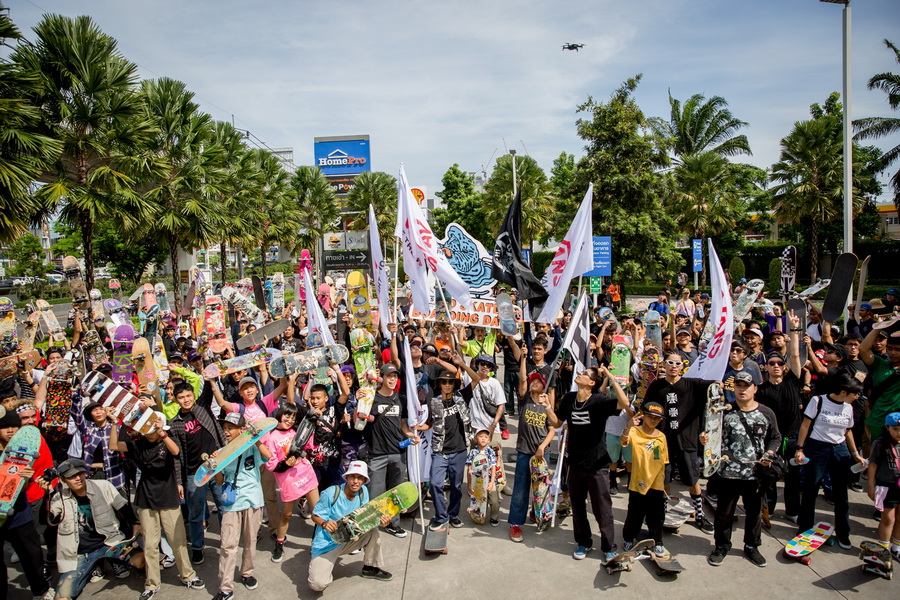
[817, 401]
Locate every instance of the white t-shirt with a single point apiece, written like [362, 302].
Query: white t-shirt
[833, 421]
[492, 391]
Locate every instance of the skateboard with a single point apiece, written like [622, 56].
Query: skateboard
[541, 499]
[20, 453]
[72, 269]
[799, 307]
[678, 512]
[162, 297]
[9, 341]
[50, 320]
[666, 564]
[306, 427]
[145, 367]
[189, 299]
[804, 544]
[358, 300]
[259, 295]
[115, 288]
[788, 272]
[715, 417]
[59, 393]
[97, 304]
[745, 302]
[117, 313]
[9, 365]
[654, 333]
[620, 361]
[133, 412]
[304, 265]
[159, 358]
[436, 541]
[199, 308]
[238, 363]
[93, 347]
[368, 516]
[889, 322]
[269, 295]
[124, 548]
[863, 273]
[842, 277]
[149, 312]
[309, 360]
[277, 294]
[649, 368]
[363, 343]
[262, 334]
[624, 561]
[508, 324]
[243, 303]
[122, 365]
[251, 434]
[876, 559]
[26, 344]
[480, 479]
[814, 289]
[607, 315]
[215, 324]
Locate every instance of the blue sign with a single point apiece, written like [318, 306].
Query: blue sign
[697, 247]
[526, 255]
[339, 156]
[602, 257]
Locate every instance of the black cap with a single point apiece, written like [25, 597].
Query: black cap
[388, 368]
[71, 467]
[744, 377]
[839, 349]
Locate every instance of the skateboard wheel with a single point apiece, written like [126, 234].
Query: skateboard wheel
[806, 560]
[204, 456]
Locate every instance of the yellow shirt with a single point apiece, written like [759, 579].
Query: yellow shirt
[649, 457]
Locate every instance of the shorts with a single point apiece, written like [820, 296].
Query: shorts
[615, 449]
[689, 463]
[891, 499]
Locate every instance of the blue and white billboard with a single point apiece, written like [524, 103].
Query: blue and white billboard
[342, 155]
[602, 257]
[697, 254]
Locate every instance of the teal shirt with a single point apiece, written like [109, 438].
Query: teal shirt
[322, 542]
[249, 488]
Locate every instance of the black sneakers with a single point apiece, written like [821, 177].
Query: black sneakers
[456, 522]
[197, 556]
[376, 573]
[250, 582]
[704, 525]
[753, 555]
[223, 595]
[395, 531]
[278, 552]
[717, 557]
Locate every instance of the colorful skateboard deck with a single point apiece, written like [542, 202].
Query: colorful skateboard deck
[436, 540]
[20, 453]
[608, 316]
[358, 300]
[26, 344]
[541, 498]
[620, 361]
[715, 417]
[159, 358]
[124, 548]
[363, 344]
[310, 360]
[59, 393]
[652, 320]
[238, 363]
[803, 544]
[53, 327]
[9, 340]
[145, 367]
[678, 512]
[232, 450]
[72, 269]
[842, 277]
[277, 295]
[93, 347]
[262, 334]
[162, 297]
[508, 324]
[97, 304]
[479, 482]
[133, 413]
[269, 295]
[788, 272]
[9, 365]
[243, 303]
[117, 313]
[877, 559]
[649, 369]
[115, 288]
[306, 427]
[304, 265]
[215, 324]
[744, 303]
[368, 517]
[623, 561]
[122, 364]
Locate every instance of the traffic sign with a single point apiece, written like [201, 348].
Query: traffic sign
[346, 259]
[602, 247]
[596, 285]
[697, 254]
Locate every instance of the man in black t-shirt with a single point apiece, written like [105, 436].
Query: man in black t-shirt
[586, 414]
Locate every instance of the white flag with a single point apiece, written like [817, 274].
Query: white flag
[713, 359]
[421, 253]
[416, 414]
[315, 318]
[380, 273]
[574, 257]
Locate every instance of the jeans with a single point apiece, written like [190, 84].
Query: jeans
[511, 386]
[385, 472]
[443, 466]
[518, 505]
[195, 498]
[71, 584]
[833, 459]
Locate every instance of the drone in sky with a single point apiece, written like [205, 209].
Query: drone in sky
[575, 47]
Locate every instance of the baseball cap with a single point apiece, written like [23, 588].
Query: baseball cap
[865, 306]
[409, 328]
[744, 377]
[193, 355]
[743, 280]
[484, 358]
[704, 296]
[538, 376]
[755, 331]
[682, 330]
[348, 369]
[245, 381]
[775, 354]
[235, 418]
[71, 467]
[774, 333]
[838, 349]
[387, 369]
[487, 431]
[892, 419]
[653, 408]
[894, 291]
[429, 347]
[357, 467]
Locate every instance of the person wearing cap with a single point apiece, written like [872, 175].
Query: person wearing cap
[387, 428]
[685, 305]
[684, 345]
[335, 503]
[738, 363]
[488, 400]
[586, 414]
[158, 500]
[19, 530]
[646, 488]
[863, 326]
[890, 301]
[534, 436]
[88, 514]
[170, 346]
[777, 342]
[753, 337]
[750, 436]
[885, 375]
[883, 474]
[242, 518]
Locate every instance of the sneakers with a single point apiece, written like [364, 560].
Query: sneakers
[717, 557]
[614, 490]
[515, 533]
[223, 595]
[395, 531]
[845, 544]
[792, 518]
[753, 555]
[376, 573]
[197, 556]
[660, 550]
[626, 546]
[167, 561]
[608, 556]
[494, 522]
[704, 525]
[121, 571]
[505, 434]
[96, 575]
[48, 595]
[278, 552]
[305, 512]
[856, 487]
[195, 584]
[455, 522]
[147, 594]
[250, 582]
[581, 552]
[895, 552]
[435, 526]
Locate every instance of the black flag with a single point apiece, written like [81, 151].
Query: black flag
[508, 266]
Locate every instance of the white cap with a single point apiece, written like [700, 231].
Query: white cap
[357, 467]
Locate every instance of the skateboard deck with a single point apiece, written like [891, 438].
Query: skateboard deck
[788, 272]
[358, 300]
[115, 288]
[815, 288]
[508, 324]
[259, 295]
[309, 360]
[238, 363]
[59, 393]
[842, 277]
[122, 364]
[145, 367]
[97, 304]
[649, 368]
[201, 286]
[26, 344]
[654, 332]
[117, 313]
[889, 322]
[608, 316]
[162, 297]
[863, 273]
[262, 334]
[20, 453]
[72, 269]
[306, 427]
[715, 417]
[744, 303]
[368, 516]
[243, 303]
[189, 299]
[9, 365]
[799, 307]
[304, 265]
[363, 344]
[124, 548]
[666, 564]
[93, 347]
[232, 450]
[436, 541]
[277, 295]
[269, 295]
[803, 544]
[159, 358]
[9, 340]
[623, 561]
[215, 324]
[149, 312]
[876, 559]
[53, 327]
[133, 412]
[480, 480]
[541, 498]
[678, 512]
[620, 361]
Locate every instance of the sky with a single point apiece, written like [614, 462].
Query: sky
[463, 81]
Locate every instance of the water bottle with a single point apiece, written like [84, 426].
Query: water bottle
[404, 443]
[859, 468]
[796, 463]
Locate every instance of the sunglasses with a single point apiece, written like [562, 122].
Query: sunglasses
[674, 363]
[776, 363]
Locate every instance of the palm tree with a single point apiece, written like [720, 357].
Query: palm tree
[701, 125]
[380, 190]
[537, 205]
[89, 102]
[277, 216]
[317, 204]
[877, 127]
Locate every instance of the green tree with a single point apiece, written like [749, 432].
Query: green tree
[380, 190]
[26, 255]
[701, 125]
[563, 192]
[736, 268]
[879, 127]
[537, 207]
[624, 164]
[129, 254]
[318, 204]
[463, 205]
[277, 215]
[68, 242]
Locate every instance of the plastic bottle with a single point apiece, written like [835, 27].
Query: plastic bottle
[859, 468]
[796, 463]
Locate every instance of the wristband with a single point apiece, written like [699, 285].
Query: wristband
[799, 447]
[797, 330]
[854, 453]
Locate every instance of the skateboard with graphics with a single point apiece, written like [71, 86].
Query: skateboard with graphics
[238, 363]
[744, 303]
[127, 407]
[804, 544]
[97, 304]
[145, 367]
[232, 450]
[541, 498]
[9, 341]
[608, 316]
[162, 298]
[215, 324]
[53, 327]
[26, 344]
[363, 345]
[814, 289]
[122, 364]
[715, 417]
[358, 300]
[93, 347]
[9, 365]
[61, 377]
[115, 288]
[117, 313]
[624, 561]
[368, 516]
[277, 295]
[72, 269]
[309, 360]
[20, 453]
[876, 559]
[507, 314]
[620, 361]
[649, 370]
[243, 303]
[788, 272]
[652, 320]
[479, 480]
[262, 334]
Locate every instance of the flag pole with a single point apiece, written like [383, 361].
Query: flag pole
[558, 476]
[419, 485]
[396, 274]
